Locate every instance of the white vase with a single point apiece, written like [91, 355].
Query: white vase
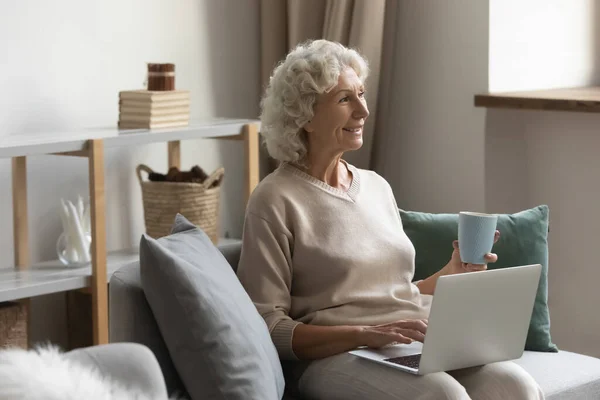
[69, 257]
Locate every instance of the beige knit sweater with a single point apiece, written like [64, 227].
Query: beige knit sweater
[318, 255]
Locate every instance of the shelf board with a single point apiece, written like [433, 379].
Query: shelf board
[53, 277]
[48, 142]
[581, 99]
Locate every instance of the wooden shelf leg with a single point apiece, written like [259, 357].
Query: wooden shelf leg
[98, 221]
[175, 154]
[20, 225]
[251, 143]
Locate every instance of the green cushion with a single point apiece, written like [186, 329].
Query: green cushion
[523, 240]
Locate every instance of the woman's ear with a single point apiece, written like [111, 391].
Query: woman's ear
[308, 127]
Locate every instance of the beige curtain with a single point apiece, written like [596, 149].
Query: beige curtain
[354, 23]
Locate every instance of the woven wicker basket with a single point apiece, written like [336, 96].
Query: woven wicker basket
[13, 325]
[198, 202]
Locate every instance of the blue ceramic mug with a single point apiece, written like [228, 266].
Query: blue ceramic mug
[476, 233]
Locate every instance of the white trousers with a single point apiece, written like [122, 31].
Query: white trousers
[346, 377]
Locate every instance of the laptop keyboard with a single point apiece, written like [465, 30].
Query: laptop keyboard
[407, 361]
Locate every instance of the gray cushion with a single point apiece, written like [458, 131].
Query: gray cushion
[564, 375]
[218, 342]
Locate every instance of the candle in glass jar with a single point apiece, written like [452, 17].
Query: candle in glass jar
[161, 77]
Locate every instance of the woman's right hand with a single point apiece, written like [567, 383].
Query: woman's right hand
[403, 331]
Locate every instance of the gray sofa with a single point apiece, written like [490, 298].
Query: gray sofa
[562, 376]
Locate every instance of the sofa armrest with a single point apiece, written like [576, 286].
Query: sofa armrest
[130, 364]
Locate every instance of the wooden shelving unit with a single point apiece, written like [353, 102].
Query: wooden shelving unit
[25, 280]
[582, 99]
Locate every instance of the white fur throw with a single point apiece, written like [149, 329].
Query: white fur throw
[43, 373]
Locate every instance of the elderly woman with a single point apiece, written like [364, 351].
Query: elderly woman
[324, 256]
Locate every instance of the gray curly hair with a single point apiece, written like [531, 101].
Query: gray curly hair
[310, 69]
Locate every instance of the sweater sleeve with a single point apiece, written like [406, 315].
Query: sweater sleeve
[265, 272]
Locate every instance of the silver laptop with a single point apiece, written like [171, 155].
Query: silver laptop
[476, 318]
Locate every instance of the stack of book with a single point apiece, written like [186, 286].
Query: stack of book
[148, 109]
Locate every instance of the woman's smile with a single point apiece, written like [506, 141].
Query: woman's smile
[357, 131]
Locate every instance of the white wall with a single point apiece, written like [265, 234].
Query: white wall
[62, 65]
[538, 157]
[432, 152]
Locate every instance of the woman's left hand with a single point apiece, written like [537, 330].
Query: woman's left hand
[456, 266]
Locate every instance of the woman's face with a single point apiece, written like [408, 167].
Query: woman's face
[340, 115]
